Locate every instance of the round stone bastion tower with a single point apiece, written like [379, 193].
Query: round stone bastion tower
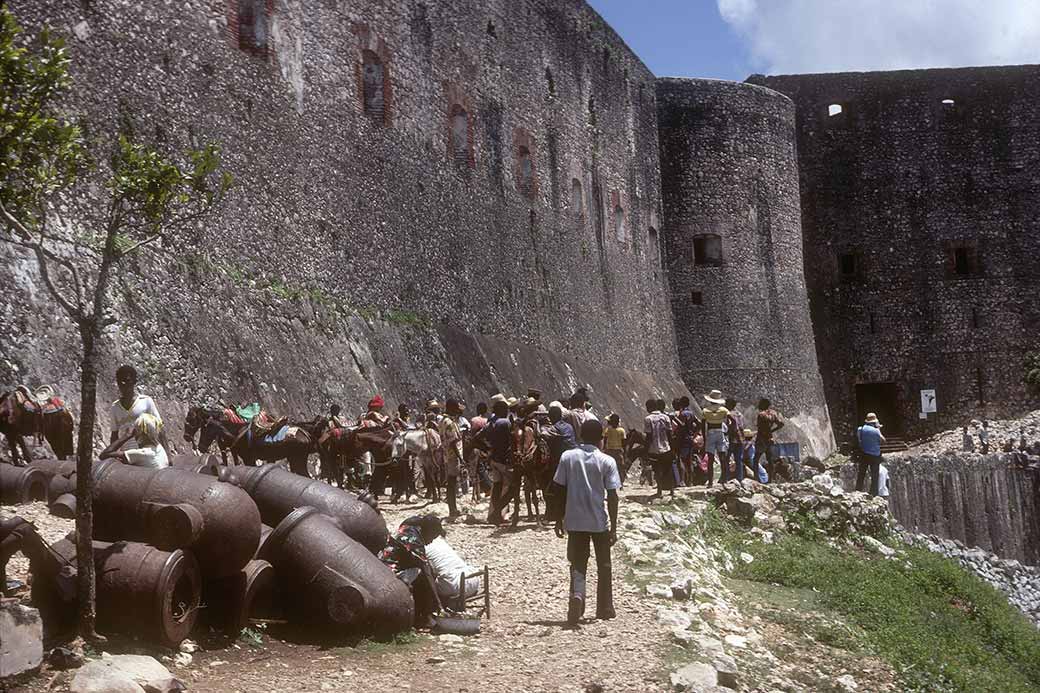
[733, 252]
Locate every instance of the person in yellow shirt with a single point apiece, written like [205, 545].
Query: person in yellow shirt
[614, 444]
[716, 443]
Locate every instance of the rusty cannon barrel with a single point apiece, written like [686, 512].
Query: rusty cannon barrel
[278, 492]
[177, 509]
[250, 593]
[50, 467]
[334, 580]
[22, 484]
[141, 590]
[205, 463]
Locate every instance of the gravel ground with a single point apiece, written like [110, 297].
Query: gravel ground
[524, 647]
[50, 528]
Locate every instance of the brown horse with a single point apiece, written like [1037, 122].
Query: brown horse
[289, 442]
[21, 415]
[340, 448]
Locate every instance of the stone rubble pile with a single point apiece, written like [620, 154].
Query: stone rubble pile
[1000, 430]
[1021, 583]
[724, 649]
[821, 503]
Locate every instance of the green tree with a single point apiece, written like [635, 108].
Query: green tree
[1033, 371]
[149, 197]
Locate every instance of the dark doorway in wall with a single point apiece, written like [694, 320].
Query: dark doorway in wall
[881, 399]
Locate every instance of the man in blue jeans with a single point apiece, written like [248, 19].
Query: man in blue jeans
[585, 478]
[870, 440]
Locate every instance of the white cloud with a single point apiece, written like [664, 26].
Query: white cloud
[798, 36]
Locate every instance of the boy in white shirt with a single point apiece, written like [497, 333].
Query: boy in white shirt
[130, 405]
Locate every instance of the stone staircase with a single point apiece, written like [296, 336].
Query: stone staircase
[893, 445]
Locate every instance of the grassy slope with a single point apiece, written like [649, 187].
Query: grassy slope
[941, 627]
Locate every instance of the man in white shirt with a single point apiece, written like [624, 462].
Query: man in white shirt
[585, 478]
[448, 568]
[131, 404]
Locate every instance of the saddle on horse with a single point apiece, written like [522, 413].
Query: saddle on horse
[42, 400]
[38, 403]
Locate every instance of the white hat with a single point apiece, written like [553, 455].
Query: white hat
[872, 418]
[715, 397]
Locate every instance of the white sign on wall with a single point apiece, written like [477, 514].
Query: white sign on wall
[928, 402]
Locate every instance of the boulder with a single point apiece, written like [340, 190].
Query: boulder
[125, 674]
[697, 676]
[21, 639]
[674, 618]
[726, 670]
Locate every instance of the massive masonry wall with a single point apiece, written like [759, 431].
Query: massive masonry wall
[983, 501]
[920, 203]
[415, 181]
[733, 249]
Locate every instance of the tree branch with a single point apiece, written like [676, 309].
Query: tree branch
[13, 221]
[43, 256]
[41, 260]
[151, 239]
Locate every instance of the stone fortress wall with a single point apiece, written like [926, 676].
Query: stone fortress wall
[431, 198]
[463, 196]
[919, 197]
[733, 250]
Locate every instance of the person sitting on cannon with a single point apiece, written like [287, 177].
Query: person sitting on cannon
[149, 452]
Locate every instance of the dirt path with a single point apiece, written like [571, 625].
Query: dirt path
[524, 647]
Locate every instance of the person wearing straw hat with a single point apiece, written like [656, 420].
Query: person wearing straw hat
[716, 442]
[870, 439]
[499, 435]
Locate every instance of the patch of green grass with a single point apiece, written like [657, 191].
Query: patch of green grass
[397, 316]
[251, 636]
[940, 627]
[393, 644]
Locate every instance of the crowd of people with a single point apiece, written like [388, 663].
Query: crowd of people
[562, 451]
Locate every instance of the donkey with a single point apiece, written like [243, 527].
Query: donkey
[214, 424]
[422, 444]
[22, 415]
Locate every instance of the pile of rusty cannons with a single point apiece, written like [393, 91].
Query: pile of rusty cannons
[184, 546]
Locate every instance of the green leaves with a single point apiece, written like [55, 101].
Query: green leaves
[1033, 370]
[40, 151]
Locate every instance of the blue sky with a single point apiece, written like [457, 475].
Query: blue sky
[678, 38]
[731, 39]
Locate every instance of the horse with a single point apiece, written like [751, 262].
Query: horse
[214, 424]
[22, 414]
[288, 442]
[340, 448]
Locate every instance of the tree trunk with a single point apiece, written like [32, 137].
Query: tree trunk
[85, 485]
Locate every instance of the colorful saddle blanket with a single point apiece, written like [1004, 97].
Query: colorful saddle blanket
[231, 416]
[284, 433]
[42, 400]
[248, 411]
